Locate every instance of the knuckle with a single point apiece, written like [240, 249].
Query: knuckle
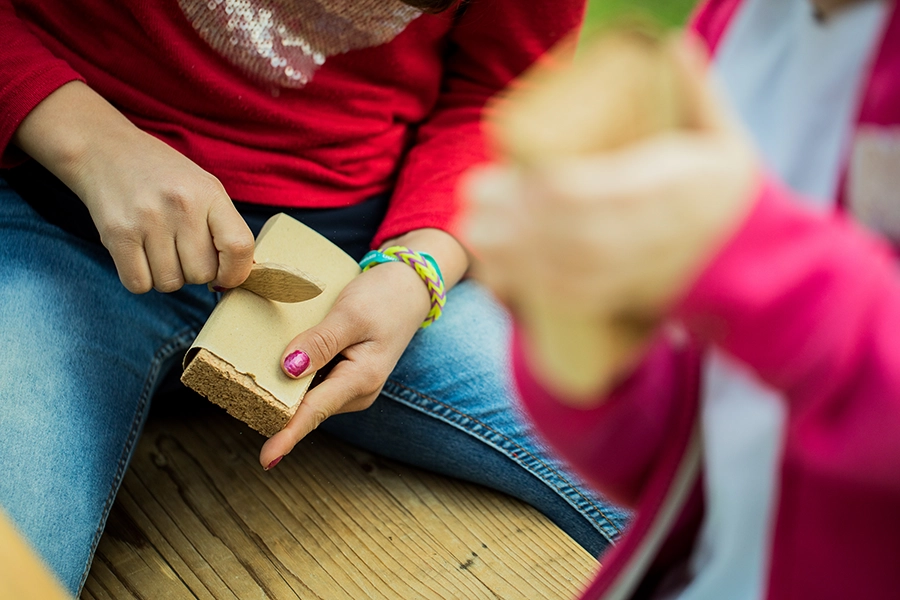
[200, 275]
[211, 187]
[227, 279]
[318, 417]
[370, 389]
[368, 401]
[323, 344]
[135, 284]
[370, 380]
[354, 391]
[207, 275]
[120, 236]
[178, 198]
[200, 268]
[169, 284]
[240, 245]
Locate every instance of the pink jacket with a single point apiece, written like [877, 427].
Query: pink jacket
[810, 302]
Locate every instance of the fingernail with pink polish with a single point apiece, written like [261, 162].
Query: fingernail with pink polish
[296, 362]
[274, 462]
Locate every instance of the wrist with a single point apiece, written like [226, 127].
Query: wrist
[423, 265]
[413, 297]
[450, 256]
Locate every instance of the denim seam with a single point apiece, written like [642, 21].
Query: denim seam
[535, 465]
[179, 341]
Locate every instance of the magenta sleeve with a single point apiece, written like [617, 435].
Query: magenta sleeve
[616, 442]
[811, 303]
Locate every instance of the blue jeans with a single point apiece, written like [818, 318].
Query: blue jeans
[82, 358]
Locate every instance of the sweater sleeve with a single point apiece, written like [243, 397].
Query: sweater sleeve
[811, 303]
[491, 44]
[28, 74]
[617, 442]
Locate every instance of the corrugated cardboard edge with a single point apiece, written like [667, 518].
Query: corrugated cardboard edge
[236, 392]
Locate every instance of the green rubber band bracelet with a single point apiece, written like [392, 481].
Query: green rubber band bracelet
[425, 266]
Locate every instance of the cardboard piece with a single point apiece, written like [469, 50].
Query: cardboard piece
[235, 361]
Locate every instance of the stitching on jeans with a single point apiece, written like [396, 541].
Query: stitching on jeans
[511, 442]
[163, 353]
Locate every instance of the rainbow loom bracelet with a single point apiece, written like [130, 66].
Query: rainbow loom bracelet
[425, 266]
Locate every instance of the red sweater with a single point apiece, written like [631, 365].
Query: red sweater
[404, 114]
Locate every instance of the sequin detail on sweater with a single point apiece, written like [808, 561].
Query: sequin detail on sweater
[283, 42]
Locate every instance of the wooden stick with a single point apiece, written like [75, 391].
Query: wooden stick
[623, 87]
[282, 283]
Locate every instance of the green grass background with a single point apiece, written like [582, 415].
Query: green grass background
[669, 12]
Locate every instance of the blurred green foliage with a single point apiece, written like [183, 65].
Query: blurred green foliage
[668, 12]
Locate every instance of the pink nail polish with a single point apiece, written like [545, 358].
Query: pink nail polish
[274, 462]
[296, 362]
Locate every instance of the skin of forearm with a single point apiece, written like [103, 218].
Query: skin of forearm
[62, 130]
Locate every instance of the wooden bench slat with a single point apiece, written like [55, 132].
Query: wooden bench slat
[198, 518]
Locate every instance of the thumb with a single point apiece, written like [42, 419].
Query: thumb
[318, 345]
[233, 241]
[336, 394]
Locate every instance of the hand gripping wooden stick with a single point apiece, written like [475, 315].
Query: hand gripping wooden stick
[623, 87]
[235, 361]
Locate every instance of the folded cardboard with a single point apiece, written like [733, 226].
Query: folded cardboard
[235, 361]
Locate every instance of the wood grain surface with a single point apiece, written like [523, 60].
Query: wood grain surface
[198, 518]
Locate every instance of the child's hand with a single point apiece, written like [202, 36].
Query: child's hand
[370, 326]
[164, 220]
[609, 241]
[619, 234]
[372, 322]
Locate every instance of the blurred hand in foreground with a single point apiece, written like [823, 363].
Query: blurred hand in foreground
[590, 252]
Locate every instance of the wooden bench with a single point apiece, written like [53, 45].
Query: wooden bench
[197, 517]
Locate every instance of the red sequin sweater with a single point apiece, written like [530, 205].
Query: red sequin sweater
[313, 103]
